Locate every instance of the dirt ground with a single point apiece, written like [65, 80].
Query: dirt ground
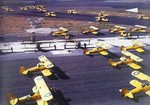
[19, 24]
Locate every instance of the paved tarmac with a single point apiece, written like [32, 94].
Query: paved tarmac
[82, 80]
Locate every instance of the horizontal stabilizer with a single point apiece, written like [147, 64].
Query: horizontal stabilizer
[13, 100]
[23, 70]
[112, 62]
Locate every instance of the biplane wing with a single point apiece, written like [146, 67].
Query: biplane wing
[45, 61]
[43, 89]
[140, 75]
[46, 72]
[104, 53]
[139, 50]
[121, 27]
[148, 92]
[138, 43]
[42, 102]
[134, 66]
[135, 83]
[99, 44]
[132, 56]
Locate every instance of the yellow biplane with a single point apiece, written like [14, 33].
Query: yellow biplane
[61, 32]
[41, 94]
[138, 46]
[72, 12]
[102, 17]
[94, 30]
[44, 66]
[50, 14]
[100, 48]
[138, 28]
[117, 29]
[143, 17]
[130, 60]
[140, 86]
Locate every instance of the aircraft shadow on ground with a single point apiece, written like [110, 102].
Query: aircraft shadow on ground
[57, 71]
[113, 55]
[51, 77]
[59, 98]
[137, 97]
[146, 52]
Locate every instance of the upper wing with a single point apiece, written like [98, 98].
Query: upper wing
[138, 43]
[42, 102]
[132, 56]
[140, 75]
[46, 72]
[45, 61]
[99, 44]
[43, 89]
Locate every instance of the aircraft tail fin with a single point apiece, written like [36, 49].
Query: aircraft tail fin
[13, 100]
[112, 62]
[23, 70]
[85, 51]
[126, 93]
[122, 48]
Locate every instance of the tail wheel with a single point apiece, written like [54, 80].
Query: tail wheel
[124, 91]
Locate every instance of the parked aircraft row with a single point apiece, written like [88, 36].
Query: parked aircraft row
[126, 32]
[130, 59]
[41, 93]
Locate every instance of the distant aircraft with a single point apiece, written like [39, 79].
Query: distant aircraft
[143, 17]
[102, 17]
[94, 30]
[130, 60]
[61, 32]
[141, 85]
[139, 28]
[50, 14]
[41, 94]
[72, 12]
[117, 29]
[125, 34]
[44, 66]
[138, 46]
[100, 48]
